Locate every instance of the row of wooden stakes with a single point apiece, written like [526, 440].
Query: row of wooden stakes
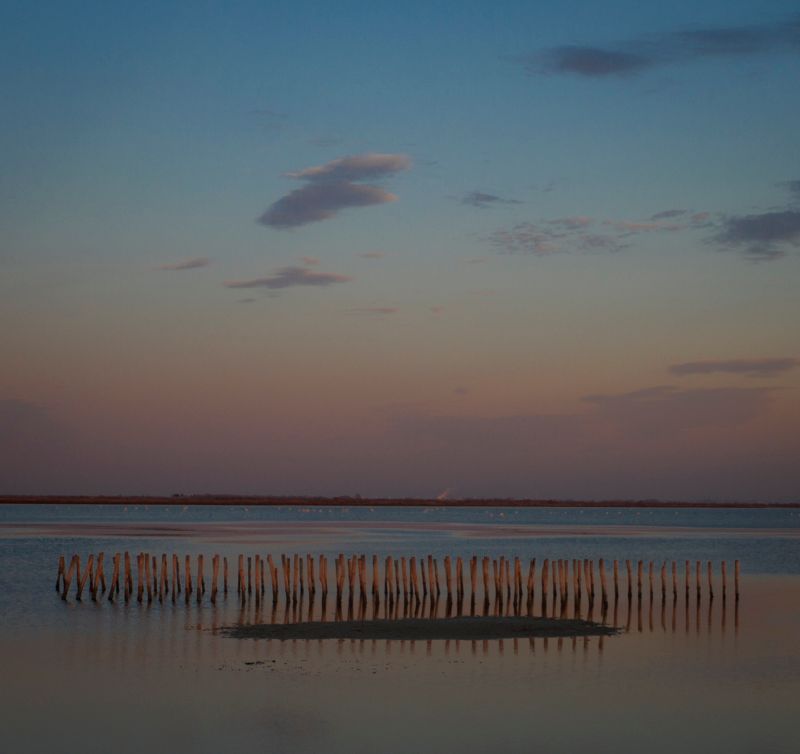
[410, 578]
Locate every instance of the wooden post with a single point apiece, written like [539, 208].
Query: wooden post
[650, 577]
[603, 588]
[311, 576]
[163, 584]
[375, 577]
[296, 576]
[697, 578]
[187, 577]
[258, 576]
[60, 574]
[674, 580]
[422, 575]
[74, 565]
[250, 574]
[362, 577]
[531, 578]
[639, 568]
[214, 577]
[616, 580]
[412, 570]
[225, 575]
[287, 577]
[139, 577]
[724, 568]
[396, 577]
[545, 577]
[687, 572]
[630, 578]
[710, 582]
[663, 580]
[473, 576]
[241, 588]
[200, 580]
[736, 573]
[113, 588]
[176, 579]
[128, 575]
[448, 576]
[299, 564]
[404, 574]
[147, 577]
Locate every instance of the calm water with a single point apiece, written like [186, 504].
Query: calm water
[110, 677]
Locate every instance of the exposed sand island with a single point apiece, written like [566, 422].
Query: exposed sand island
[467, 628]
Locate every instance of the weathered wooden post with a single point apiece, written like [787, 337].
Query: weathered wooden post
[616, 581]
[214, 577]
[147, 577]
[663, 580]
[531, 579]
[114, 586]
[74, 565]
[736, 573]
[225, 575]
[724, 568]
[674, 581]
[448, 576]
[603, 587]
[710, 582]
[630, 578]
[258, 577]
[404, 574]
[485, 572]
[60, 574]
[650, 578]
[639, 570]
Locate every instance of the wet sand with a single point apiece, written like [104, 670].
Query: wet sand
[467, 628]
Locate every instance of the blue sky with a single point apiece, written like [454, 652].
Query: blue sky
[499, 212]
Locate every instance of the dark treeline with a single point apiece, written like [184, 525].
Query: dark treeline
[244, 500]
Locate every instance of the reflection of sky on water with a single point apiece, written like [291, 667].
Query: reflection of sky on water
[681, 677]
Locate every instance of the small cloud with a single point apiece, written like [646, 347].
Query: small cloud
[768, 367]
[639, 54]
[792, 186]
[372, 255]
[358, 167]
[310, 261]
[482, 200]
[186, 264]
[764, 237]
[588, 61]
[436, 309]
[578, 221]
[375, 311]
[332, 187]
[668, 214]
[321, 201]
[290, 277]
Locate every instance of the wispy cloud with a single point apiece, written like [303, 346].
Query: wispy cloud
[186, 264]
[310, 261]
[372, 255]
[374, 311]
[764, 237]
[581, 233]
[482, 200]
[639, 54]
[290, 277]
[765, 367]
[360, 167]
[668, 214]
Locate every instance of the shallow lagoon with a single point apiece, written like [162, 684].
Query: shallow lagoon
[99, 677]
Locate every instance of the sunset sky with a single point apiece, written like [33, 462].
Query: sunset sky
[425, 248]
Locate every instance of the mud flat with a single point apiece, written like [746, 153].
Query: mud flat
[467, 628]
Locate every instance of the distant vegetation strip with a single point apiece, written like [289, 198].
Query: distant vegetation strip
[364, 502]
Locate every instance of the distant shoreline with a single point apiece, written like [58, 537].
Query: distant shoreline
[359, 502]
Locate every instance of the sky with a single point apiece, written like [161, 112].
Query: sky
[456, 249]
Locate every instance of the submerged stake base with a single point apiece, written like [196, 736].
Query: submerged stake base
[468, 628]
